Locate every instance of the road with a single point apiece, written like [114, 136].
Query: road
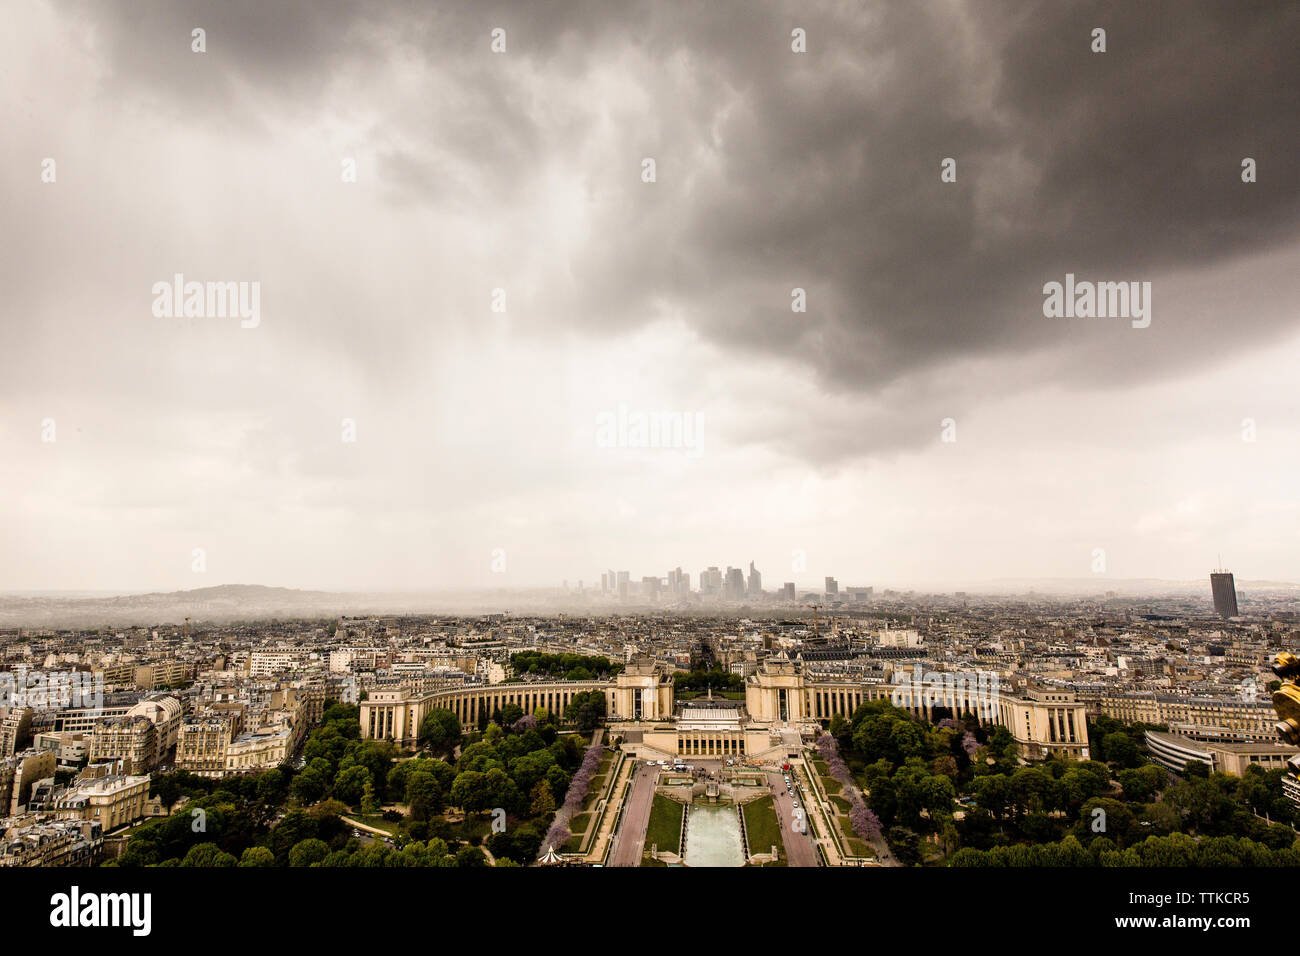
[630, 842]
[800, 850]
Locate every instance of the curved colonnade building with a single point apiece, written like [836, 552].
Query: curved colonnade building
[782, 706]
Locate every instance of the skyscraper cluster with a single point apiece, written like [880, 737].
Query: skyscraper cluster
[732, 584]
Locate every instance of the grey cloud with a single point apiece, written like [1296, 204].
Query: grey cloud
[776, 170]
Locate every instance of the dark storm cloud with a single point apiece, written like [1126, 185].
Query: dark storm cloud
[1112, 166]
[820, 170]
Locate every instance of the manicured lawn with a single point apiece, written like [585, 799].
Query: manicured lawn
[846, 827]
[859, 848]
[761, 826]
[376, 821]
[665, 826]
[598, 783]
[841, 804]
[579, 823]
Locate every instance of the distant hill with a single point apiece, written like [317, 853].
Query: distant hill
[228, 603]
[225, 602]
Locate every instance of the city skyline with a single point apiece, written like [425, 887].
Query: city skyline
[803, 582]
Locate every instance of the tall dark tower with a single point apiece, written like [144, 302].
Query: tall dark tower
[1225, 593]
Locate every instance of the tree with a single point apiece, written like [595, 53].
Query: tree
[208, 854]
[308, 852]
[292, 829]
[543, 801]
[440, 731]
[272, 786]
[839, 728]
[257, 856]
[1120, 749]
[1138, 787]
[375, 755]
[586, 710]
[905, 844]
[468, 856]
[501, 791]
[311, 784]
[424, 795]
[470, 791]
[350, 784]
[369, 803]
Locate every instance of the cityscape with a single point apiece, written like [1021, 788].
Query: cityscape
[648, 442]
[731, 726]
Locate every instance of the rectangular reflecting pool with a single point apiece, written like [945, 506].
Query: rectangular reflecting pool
[713, 837]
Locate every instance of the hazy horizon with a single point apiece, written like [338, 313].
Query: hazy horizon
[991, 586]
[441, 383]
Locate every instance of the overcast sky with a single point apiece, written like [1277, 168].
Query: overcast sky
[820, 431]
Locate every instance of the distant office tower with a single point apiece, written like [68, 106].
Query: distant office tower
[622, 584]
[710, 581]
[734, 588]
[1225, 593]
[787, 591]
[832, 586]
[679, 583]
[755, 581]
[604, 581]
[650, 588]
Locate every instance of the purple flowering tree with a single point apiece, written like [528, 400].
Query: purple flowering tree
[525, 723]
[559, 833]
[864, 822]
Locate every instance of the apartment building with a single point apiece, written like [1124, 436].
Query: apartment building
[112, 800]
[30, 841]
[132, 739]
[1199, 718]
[204, 740]
[19, 774]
